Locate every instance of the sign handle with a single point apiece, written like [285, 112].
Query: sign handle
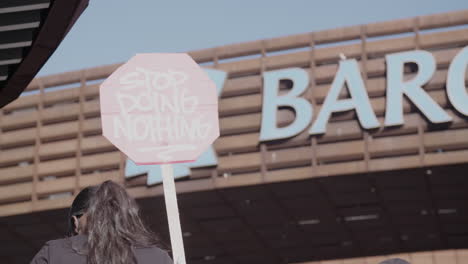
[175, 231]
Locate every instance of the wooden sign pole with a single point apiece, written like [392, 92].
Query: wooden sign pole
[175, 230]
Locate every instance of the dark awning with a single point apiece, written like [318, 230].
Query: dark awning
[30, 31]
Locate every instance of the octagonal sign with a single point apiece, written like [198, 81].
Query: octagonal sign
[160, 109]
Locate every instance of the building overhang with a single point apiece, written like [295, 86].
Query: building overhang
[30, 32]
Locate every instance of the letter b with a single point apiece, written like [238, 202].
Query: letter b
[272, 101]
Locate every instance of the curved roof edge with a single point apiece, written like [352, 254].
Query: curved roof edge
[61, 17]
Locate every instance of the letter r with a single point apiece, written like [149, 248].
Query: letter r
[396, 87]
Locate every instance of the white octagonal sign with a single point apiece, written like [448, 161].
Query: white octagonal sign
[160, 109]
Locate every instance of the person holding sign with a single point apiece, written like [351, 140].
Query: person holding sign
[104, 227]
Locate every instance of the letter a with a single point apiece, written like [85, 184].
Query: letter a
[348, 73]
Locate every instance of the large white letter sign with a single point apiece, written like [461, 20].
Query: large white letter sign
[271, 102]
[349, 74]
[396, 87]
[456, 89]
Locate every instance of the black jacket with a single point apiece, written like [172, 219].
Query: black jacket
[64, 251]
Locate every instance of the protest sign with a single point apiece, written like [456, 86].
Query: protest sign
[161, 109]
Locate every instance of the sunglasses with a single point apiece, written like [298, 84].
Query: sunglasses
[78, 215]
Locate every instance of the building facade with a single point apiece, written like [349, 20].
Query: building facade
[326, 154]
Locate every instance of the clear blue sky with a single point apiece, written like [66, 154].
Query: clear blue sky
[111, 31]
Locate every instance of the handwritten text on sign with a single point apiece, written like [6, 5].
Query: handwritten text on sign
[160, 108]
[163, 116]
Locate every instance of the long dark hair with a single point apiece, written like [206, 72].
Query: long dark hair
[114, 226]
